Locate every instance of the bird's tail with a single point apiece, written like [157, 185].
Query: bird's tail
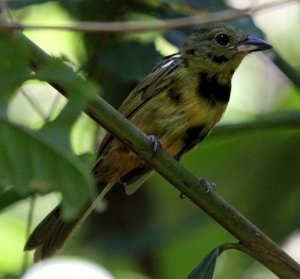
[51, 234]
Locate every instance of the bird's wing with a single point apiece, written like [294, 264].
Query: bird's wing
[155, 82]
[159, 78]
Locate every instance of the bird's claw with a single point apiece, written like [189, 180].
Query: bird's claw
[208, 186]
[155, 142]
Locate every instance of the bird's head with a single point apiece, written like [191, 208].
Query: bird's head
[219, 46]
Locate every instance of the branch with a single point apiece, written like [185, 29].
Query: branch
[284, 120]
[291, 73]
[256, 243]
[135, 26]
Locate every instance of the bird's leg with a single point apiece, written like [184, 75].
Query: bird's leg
[155, 142]
[208, 186]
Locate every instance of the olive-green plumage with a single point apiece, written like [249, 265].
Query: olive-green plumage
[179, 103]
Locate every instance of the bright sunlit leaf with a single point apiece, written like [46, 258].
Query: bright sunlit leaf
[31, 163]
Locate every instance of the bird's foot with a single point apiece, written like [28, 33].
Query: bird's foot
[155, 142]
[208, 186]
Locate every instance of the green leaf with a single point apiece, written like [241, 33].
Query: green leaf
[42, 162]
[58, 132]
[9, 197]
[205, 270]
[13, 66]
[79, 92]
[31, 163]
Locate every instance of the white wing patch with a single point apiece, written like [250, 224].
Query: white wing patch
[170, 62]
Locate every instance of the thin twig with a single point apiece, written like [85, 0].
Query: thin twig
[34, 104]
[53, 107]
[134, 26]
[4, 7]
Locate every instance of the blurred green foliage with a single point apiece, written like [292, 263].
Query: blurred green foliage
[153, 232]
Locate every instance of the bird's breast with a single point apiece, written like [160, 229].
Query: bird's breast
[179, 116]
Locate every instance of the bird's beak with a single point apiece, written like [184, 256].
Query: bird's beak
[253, 44]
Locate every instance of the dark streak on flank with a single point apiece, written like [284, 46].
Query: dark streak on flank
[193, 136]
[212, 90]
[174, 95]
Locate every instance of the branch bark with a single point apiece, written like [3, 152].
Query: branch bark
[255, 242]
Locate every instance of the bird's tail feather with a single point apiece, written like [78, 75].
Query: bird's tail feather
[51, 234]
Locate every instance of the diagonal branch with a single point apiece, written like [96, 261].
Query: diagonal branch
[256, 243]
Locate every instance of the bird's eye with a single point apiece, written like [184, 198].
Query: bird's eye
[222, 39]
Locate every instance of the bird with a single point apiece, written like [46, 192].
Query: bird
[176, 105]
